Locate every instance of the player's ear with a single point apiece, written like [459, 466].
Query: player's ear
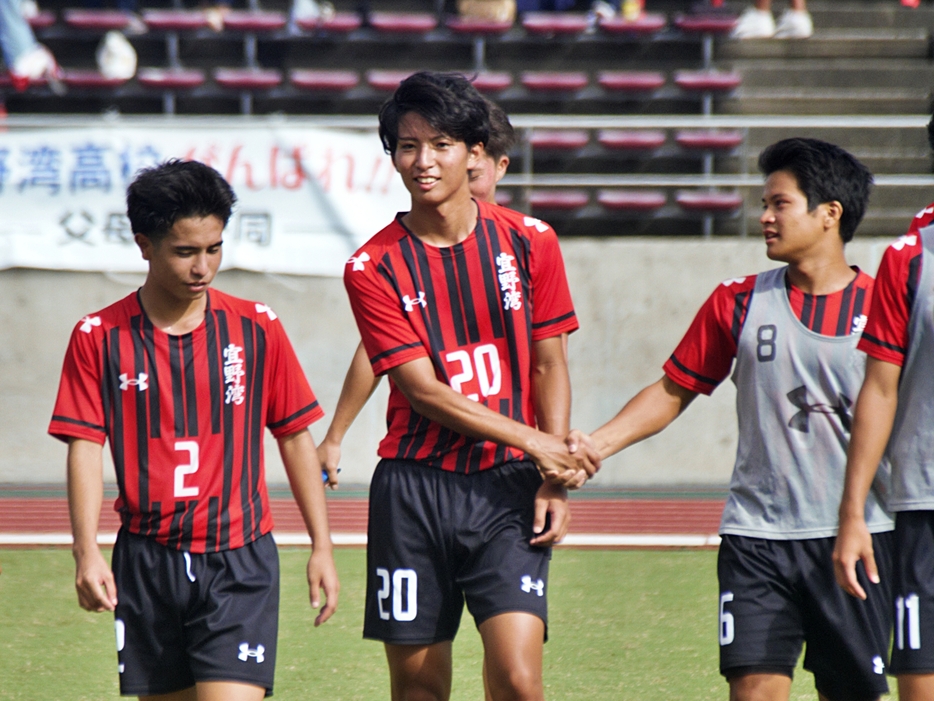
[832, 212]
[502, 166]
[145, 245]
[473, 155]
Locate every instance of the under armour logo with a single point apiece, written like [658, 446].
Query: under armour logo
[141, 382]
[878, 666]
[528, 585]
[926, 210]
[263, 309]
[905, 240]
[541, 226]
[410, 303]
[733, 281]
[859, 323]
[358, 261]
[801, 420]
[89, 322]
[246, 653]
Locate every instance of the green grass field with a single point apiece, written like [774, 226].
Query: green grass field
[624, 625]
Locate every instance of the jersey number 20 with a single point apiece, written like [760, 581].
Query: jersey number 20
[490, 380]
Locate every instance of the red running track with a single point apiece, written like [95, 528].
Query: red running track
[595, 515]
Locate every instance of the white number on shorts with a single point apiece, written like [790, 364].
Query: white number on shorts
[726, 619]
[120, 630]
[403, 582]
[191, 447]
[489, 371]
[909, 605]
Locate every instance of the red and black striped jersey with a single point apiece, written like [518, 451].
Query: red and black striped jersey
[184, 416]
[886, 335]
[474, 309]
[705, 355]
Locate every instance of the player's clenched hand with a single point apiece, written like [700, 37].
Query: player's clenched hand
[322, 575]
[553, 460]
[329, 455]
[551, 501]
[854, 543]
[94, 581]
[580, 443]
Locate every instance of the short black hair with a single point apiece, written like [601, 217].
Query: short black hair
[447, 101]
[161, 195]
[502, 135]
[825, 173]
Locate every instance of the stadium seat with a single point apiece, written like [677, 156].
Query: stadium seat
[554, 23]
[647, 24]
[386, 81]
[330, 81]
[708, 202]
[708, 81]
[43, 20]
[708, 140]
[254, 21]
[705, 23]
[636, 201]
[554, 81]
[96, 20]
[174, 20]
[631, 81]
[559, 140]
[624, 140]
[560, 200]
[479, 29]
[170, 79]
[340, 23]
[247, 78]
[90, 80]
[490, 81]
[403, 22]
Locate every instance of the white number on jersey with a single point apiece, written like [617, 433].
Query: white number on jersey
[190, 468]
[489, 372]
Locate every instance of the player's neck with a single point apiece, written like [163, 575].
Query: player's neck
[443, 225]
[821, 275]
[170, 314]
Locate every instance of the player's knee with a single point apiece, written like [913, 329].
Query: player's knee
[520, 683]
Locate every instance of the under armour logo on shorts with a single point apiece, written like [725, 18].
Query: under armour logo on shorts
[246, 653]
[528, 585]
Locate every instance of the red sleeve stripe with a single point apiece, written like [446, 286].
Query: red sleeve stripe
[552, 322]
[882, 344]
[690, 373]
[291, 418]
[69, 420]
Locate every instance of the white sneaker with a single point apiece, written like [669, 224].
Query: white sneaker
[794, 24]
[116, 57]
[754, 24]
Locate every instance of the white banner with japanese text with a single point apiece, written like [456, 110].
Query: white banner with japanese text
[308, 197]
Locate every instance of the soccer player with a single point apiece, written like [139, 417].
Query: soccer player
[360, 382]
[793, 332]
[181, 380]
[893, 415]
[463, 304]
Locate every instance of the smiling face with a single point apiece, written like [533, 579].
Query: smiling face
[183, 263]
[434, 166]
[791, 231]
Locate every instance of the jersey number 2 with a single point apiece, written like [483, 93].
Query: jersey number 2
[189, 468]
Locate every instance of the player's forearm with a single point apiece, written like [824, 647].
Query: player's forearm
[873, 417]
[551, 386]
[303, 470]
[359, 385]
[646, 414]
[85, 493]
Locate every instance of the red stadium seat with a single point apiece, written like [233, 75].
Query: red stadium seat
[490, 81]
[341, 23]
[553, 81]
[708, 81]
[247, 78]
[20, 84]
[330, 81]
[631, 81]
[170, 79]
[97, 20]
[706, 140]
[403, 22]
[563, 140]
[386, 81]
[81, 79]
[174, 20]
[646, 24]
[563, 200]
[254, 21]
[553, 23]
[708, 202]
[705, 24]
[617, 139]
[632, 200]
[467, 25]
[43, 20]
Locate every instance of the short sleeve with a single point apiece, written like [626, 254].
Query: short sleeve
[886, 334]
[552, 309]
[79, 407]
[705, 355]
[388, 337]
[292, 405]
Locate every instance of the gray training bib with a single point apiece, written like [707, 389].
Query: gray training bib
[795, 391]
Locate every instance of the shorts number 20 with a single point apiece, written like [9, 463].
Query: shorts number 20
[403, 585]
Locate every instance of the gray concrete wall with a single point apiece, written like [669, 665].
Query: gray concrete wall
[635, 299]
